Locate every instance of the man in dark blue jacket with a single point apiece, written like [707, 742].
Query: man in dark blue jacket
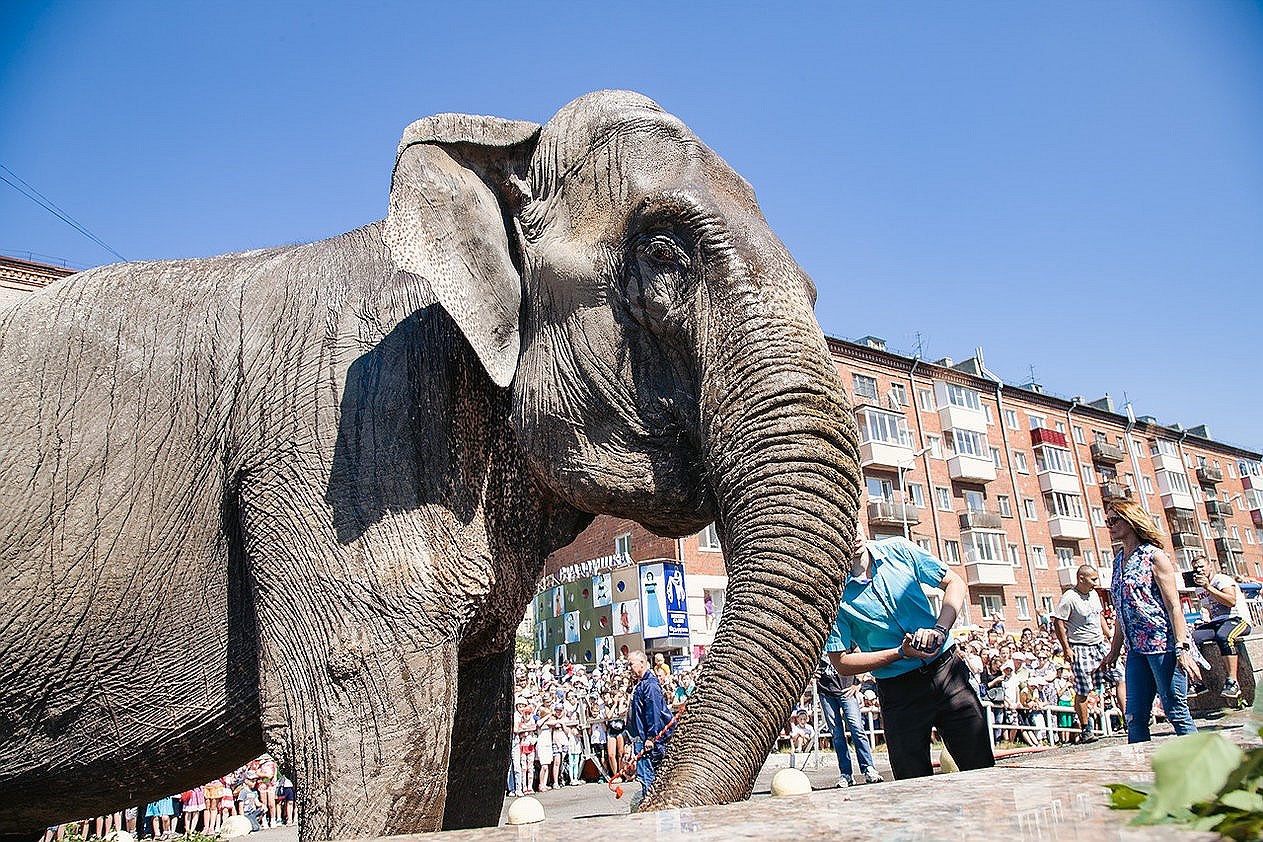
[647, 716]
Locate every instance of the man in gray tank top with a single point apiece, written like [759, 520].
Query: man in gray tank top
[1077, 622]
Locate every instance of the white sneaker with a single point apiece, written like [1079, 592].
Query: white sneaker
[872, 776]
[844, 782]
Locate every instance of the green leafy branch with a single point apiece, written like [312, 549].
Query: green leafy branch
[1202, 781]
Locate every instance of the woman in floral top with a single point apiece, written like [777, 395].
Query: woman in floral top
[1146, 596]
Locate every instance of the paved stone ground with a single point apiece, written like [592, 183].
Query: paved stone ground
[1091, 765]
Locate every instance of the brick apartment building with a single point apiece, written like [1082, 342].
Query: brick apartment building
[1007, 484]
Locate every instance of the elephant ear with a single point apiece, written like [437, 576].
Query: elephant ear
[457, 180]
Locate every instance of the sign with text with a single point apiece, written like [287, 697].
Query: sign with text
[663, 602]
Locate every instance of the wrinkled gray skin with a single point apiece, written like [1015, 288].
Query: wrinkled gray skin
[300, 497]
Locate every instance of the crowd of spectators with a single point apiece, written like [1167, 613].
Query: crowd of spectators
[258, 791]
[557, 705]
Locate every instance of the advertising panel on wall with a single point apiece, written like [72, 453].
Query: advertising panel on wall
[664, 606]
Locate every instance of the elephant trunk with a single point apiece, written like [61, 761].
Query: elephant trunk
[780, 449]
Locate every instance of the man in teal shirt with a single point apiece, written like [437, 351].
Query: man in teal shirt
[886, 626]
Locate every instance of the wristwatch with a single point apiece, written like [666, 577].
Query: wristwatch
[1183, 646]
[941, 629]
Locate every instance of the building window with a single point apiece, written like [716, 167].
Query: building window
[986, 410]
[995, 457]
[899, 394]
[1006, 508]
[986, 546]
[951, 552]
[974, 501]
[622, 544]
[1014, 558]
[1249, 536]
[992, 606]
[969, 443]
[1037, 422]
[1205, 529]
[1038, 557]
[942, 498]
[1060, 427]
[1235, 534]
[1060, 504]
[708, 539]
[865, 387]
[1023, 607]
[1078, 435]
[1149, 483]
[936, 446]
[1010, 419]
[1056, 459]
[879, 489]
[916, 493]
[881, 425]
[925, 399]
[1028, 508]
[1065, 557]
[1089, 558]
[926, 544]
[1099, 438]
[963, 397]
[1089, 475]
[1046, 604]
[1019, 462]
[1098, 516]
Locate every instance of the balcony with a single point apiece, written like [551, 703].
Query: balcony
[1209, 475]
[1068, 577]
[1114, 491]
[884, 513]
[1050, 480]
[971, 469]
[1069, 528]
[1178, 501]
[1218, 509]
[1106, 454]
[1167, 462]
[881, 454]
[1186, 541]
[1223, 546]
[980, 520]
[994, 573]
[1042, 435]
[1182, 523]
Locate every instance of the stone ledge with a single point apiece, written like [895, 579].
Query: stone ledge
[1055, 795]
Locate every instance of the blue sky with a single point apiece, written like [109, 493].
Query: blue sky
[1075, 187]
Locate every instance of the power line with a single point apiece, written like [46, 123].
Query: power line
[47, 204]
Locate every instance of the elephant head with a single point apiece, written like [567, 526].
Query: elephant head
[659, 351]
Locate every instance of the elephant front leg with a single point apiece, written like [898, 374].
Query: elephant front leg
[479, 765]
[365, 723]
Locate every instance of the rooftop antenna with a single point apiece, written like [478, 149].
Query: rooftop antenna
[920, 345]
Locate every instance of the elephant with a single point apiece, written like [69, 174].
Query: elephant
[299, 498]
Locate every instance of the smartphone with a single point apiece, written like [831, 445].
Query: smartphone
[1188, 579]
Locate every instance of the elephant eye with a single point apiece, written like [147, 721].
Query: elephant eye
[664, 250]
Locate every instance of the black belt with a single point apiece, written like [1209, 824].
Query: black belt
[926, 668]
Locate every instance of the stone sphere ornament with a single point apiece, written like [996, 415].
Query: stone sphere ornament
[790, 782]
[526, 810]
[234, 826]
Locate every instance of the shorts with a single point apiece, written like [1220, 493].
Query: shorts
[1088, 674]
[545, 755]
[284, 793]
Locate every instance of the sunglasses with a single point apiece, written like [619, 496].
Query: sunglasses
[1110, 520]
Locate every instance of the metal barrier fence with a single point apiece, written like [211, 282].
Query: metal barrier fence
[1044, 725]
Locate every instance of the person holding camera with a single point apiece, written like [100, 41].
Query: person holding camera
[922, 681]
[1225, 623]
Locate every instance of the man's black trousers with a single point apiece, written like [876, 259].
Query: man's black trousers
[936, 695]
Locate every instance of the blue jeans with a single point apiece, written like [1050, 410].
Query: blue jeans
[835, 709]
[1150, 675]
